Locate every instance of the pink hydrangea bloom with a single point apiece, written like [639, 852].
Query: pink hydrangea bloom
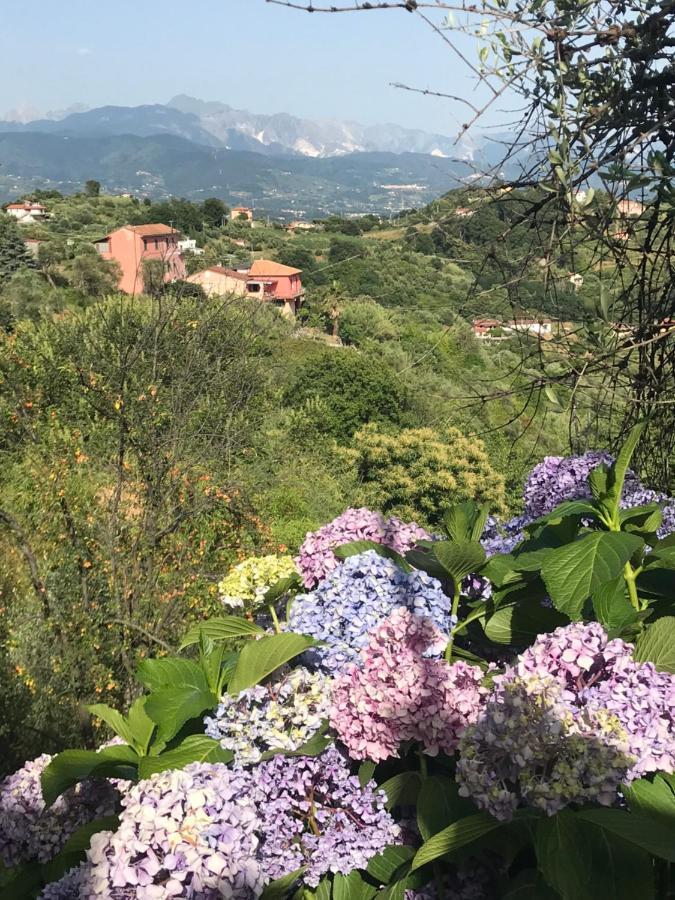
[316, 558]
[398, 694]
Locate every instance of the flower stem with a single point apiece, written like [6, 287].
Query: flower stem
[453, 613]
[275, 619]
[629, 576]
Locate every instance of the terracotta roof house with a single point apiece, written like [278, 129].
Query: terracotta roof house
[218, 281]
[131, 245]
[268, 281]
[27, 213]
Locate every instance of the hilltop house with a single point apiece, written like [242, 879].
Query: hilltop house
[131, 245]
[266, 280]
[27, 213]
[541, 327]
[239, 212]
[483, 328]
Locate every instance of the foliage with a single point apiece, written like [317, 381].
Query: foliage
[13, 253]
[425, 471]
[354, 390]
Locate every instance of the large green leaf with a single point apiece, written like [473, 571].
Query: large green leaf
[617, 472]
[155, 674]
[459, 834]
[114, 719]
[612, 607]
[71, 766]
[352, 887]
[459, 558]
[439, 804]
[520, 623]
[386, 865]
[355, 548]
[79, 841]
[283, 586]
[21, 882]
[636, 828]
[653, 798]
[259, 658]
[402, 789]
[572, 573]
[141, 726]
[564, 856]
[195, 748]
[529, 885]
[172, 707]
[656, 644]
[221, 629]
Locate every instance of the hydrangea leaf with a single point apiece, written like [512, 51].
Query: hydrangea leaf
[654, 798]
[283, 586]
[520, 623]
[156, 674]
[636, 828]
[172, 707]
[619, 469]
[366, 772]
[402, 789]
[568, 509]
[221, 628]
[612, 607]
[530, 885]
[564, 856]
[195, 748]
[459, 558]
[260, 658]
[280, 888]
[355, 548]
[20, 882]
[439, 804]
[386, 865]
[114, 719]
[572, 573]
[459, 834]
[656, 644]
[141, 726]
[80, 839]
[71, 766]
[352, 887]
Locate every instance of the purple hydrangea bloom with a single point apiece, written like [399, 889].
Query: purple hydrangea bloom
[642, 496]
[570, 721]
[30, 831]
[560, 478]
[355, 598]
[502, 537]
[315, 813]
[316, 559]
[71, 886]
[190, 834]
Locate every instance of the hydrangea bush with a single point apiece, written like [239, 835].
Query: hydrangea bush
[486, 712]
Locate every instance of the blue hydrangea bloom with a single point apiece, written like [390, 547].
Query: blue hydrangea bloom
[355, 597]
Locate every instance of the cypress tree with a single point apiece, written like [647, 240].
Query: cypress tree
[14, 255]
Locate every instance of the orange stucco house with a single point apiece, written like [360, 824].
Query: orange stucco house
[131, 245]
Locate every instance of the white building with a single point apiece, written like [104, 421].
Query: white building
[541, 327]
[189, 245]
[27, 213]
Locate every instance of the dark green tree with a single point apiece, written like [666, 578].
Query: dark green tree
[92, 188]
[14, 254]
[354, 389]
[214, 212]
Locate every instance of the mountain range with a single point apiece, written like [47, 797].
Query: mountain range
[281, 164]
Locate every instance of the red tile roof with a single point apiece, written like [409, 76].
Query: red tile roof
[152, 230]
[231, 273]
[265, 268]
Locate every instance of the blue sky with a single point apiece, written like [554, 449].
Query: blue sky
[247, 53]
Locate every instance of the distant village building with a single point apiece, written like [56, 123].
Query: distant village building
[131, 245]
[576, 280]
[630, 208]
[33, 246]
[27, 213]
[540, 327]
[189, 245]
[482, 328]
[299, 225]
[238, 212]
[265, 280]
[464, 212]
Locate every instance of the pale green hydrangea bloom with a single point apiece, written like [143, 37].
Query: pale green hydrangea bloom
[245, 585]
